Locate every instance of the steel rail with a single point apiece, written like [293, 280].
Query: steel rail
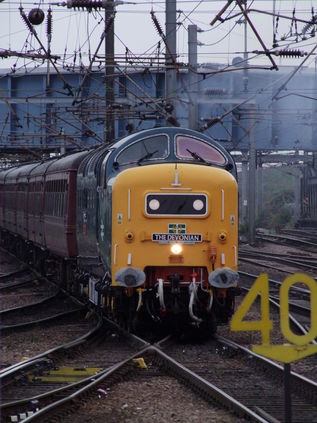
[177, 369]
[28, 306]
[274, 238]
[41, 321]
[7, 285]
[8, 372]
[280, 260]
[301, 383]
[13, 274]
[294, 288]
[295, 322]
[130, 337]
[107, 373]
[310, 384]
[294, 306]
[209, 389]
[275, 301]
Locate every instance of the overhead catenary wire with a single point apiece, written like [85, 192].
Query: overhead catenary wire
[207, 75]
[32, 30]
[108, 25]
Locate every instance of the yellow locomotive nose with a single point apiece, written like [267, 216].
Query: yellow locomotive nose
[157, 224]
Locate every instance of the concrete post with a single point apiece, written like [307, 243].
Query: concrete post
[252, 175]
[244, 189]
[109, 77]
[170, 58]
[192, 76]
[260, 186]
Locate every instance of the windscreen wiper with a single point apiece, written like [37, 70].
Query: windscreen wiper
[147, 156]
[196, 156]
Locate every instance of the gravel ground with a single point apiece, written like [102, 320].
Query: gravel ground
[20, 345]
[306, 367]
[29, 343]
[156, 400]
[26, 294]
[274, 249]
[8, 263]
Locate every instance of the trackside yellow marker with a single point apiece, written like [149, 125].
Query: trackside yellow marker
[65, 374]
[299, 346]
[140, 362]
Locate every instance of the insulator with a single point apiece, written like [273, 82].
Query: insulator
[36, 16]
[290, 53]
[49, 23]
[87, 4]
[212, 122]
[169, 107]
[157, 25]
[216, 91]
[172, 120]
[309, 25]
[129, 127]
[26, 20]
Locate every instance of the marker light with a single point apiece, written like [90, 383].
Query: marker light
[198, 205]
[154, 204]
[176, 248]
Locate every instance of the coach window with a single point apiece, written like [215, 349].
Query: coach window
[151, 148]
[189, 148]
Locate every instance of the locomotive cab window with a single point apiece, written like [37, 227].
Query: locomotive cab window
[143, 150]
[189, 148]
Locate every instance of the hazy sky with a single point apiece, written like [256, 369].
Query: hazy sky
[76, 33]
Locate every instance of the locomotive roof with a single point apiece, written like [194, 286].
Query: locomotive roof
[73, 160]
[171, 132]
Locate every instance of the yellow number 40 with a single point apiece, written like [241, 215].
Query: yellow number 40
[285, 353]
[265, 325]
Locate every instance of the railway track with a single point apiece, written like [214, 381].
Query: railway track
[59, 372]
[8, 263]
[226, 375]
[299, 299]
[46, 310]
[309, 245]
[17, 278]
[299, 317]
[308, 234]
[20, 345]
[215, 371]
[234, 381]
[253, 381]
[159, 366]
[307, 263]
[23, 294]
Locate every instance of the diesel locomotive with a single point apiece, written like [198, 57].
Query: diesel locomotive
[145, 228]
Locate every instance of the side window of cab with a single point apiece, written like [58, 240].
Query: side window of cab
[146, 149]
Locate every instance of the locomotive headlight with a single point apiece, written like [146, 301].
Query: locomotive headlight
[176, 248]
[198, 205]
[154, 204]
